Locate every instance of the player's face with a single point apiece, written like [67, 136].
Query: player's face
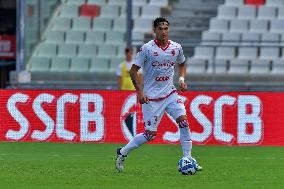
[129, 55]
[162, 31]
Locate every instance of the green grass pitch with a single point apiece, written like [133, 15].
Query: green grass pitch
[88, 166]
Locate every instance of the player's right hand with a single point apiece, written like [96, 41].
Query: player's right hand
[142, 98]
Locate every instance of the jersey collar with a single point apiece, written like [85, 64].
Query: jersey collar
[160, 46]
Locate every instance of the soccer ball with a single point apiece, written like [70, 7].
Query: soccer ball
[187, 166]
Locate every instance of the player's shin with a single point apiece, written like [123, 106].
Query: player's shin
[185, 141]
[134, 143]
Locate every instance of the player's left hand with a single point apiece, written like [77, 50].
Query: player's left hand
[182, 86]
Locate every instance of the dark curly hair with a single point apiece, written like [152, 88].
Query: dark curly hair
[159, 20]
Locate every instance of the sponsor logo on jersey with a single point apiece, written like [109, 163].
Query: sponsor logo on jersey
[165, 64]
[162, 78]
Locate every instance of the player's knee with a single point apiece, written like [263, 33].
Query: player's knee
[183, 124]
[150, 135]
[181, 118]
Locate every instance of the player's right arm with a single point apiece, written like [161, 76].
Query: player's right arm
[139, 62]
[137, 84]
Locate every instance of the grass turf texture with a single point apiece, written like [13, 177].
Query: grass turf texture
[88, 166]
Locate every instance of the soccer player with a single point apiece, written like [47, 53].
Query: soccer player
[158, 58]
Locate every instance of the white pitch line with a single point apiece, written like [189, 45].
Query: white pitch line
[260, 158]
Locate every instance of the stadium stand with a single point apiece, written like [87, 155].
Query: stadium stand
[87, 37]
[243, 43]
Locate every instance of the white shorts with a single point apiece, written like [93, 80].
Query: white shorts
[154, 110]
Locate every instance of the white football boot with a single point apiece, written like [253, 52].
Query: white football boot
[119, 162]
[198, 167]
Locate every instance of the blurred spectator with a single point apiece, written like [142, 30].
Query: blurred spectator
[124, 80]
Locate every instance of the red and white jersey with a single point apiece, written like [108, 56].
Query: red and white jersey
[158, 67]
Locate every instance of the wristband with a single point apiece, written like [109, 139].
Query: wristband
[181, 79]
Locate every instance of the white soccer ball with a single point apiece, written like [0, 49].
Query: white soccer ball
[187, 166]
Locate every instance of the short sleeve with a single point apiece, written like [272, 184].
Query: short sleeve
[141, 56]
[118, 71]
[180, 57]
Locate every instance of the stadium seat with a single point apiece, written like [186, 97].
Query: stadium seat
[117, 2]
[280, 13]
[67, 50]
[218, 25]
[55, 36]
[69, 11]
[266, 13]
[202, 52]
[149, 11]
[95, 37]
[143, 25]
[256, 3]
[136, 12]
[39, 64]
[270, 39]
[120, 24]
[97, 2]
[109, 11]
[259, 67]
[102, 24]
[74, 37]
[248, 53]
[81, 24]
[60, 64]
[160, 3]
[250, 39]
[61, 24]
[259, 26]
[218, 66]
[89, 10]
[47, 50]
[225, 53]
[196, 66]
[269, 53]
[234, 2]
[210, 38]
[277, 26]
[238, 67]
[139, 2]
[99, 65]
[227, 12]
[106, 51]
[247, 12]
[274, 3]
[79, 64]
[231, 39]
[87, 50]
[76, 2]
[114, 62]
[239, 26]
[115, 37]
[278, 67]
[137, 36]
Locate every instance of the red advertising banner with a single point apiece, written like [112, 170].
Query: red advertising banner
[216, 118]
[7, 47]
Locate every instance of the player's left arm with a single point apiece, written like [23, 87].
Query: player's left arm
[182, 73]
[181, 70]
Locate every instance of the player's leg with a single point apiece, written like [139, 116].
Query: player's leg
[176, 109]
[152, 113]
[185, 140]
